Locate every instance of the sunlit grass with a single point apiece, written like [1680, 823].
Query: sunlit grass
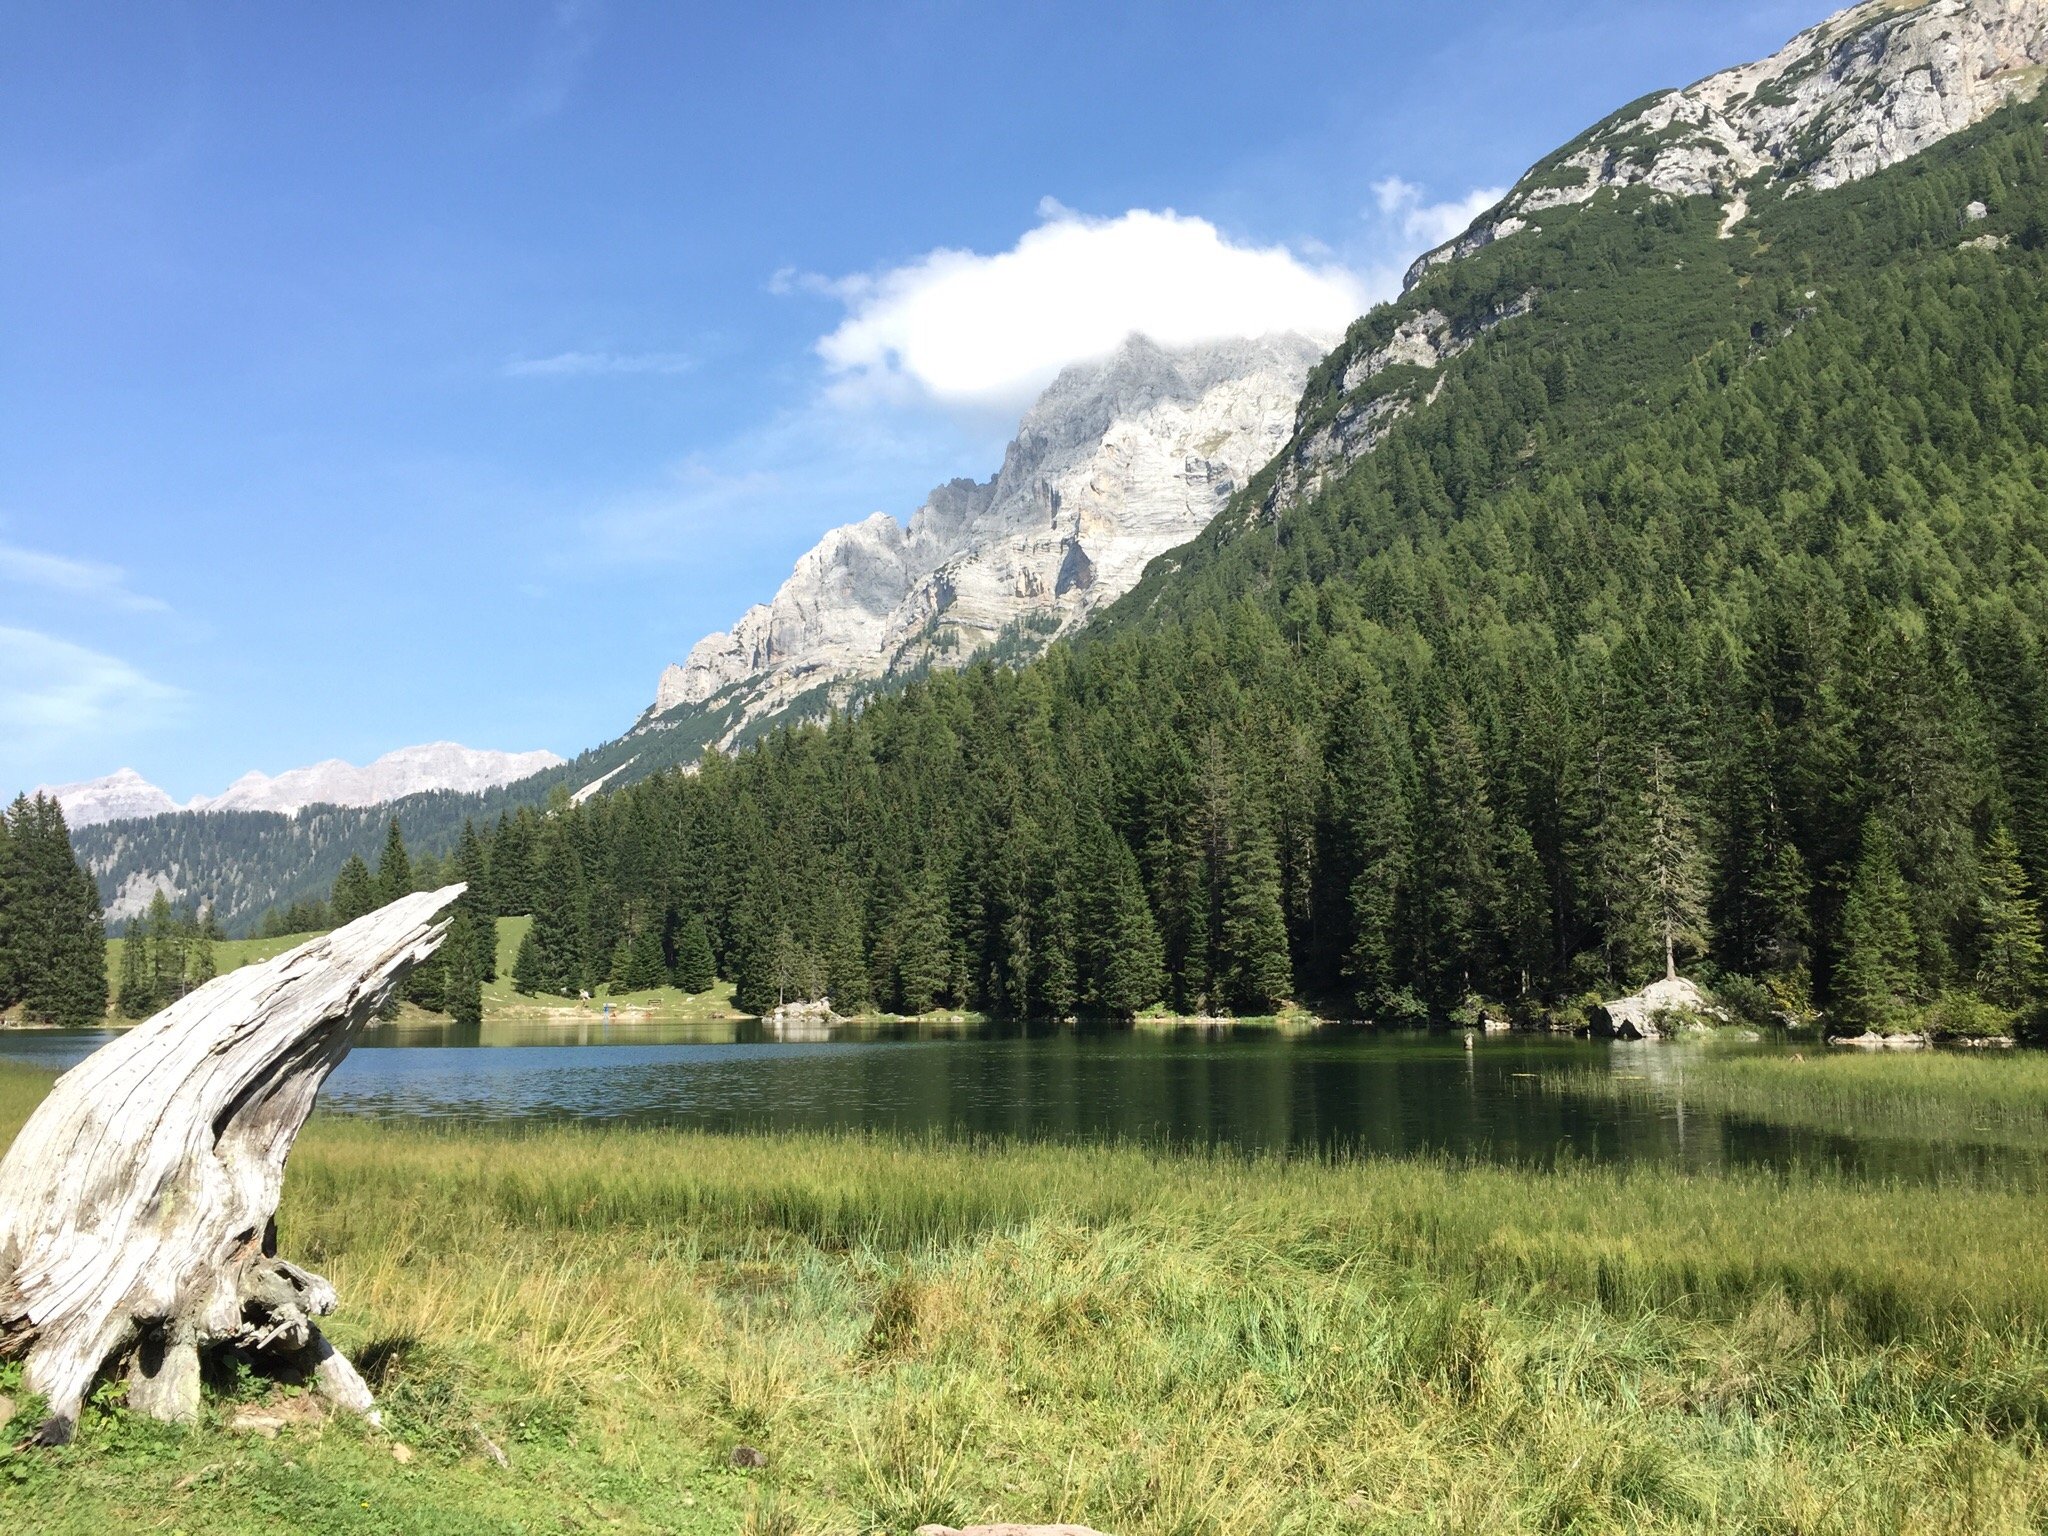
[1996, 1099]
[1148, 1343]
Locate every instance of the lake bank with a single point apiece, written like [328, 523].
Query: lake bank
[1145, 1342]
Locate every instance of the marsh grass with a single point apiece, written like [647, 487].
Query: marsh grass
[1994, 1099]
[1148, 1343]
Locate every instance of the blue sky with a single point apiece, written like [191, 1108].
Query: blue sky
[383, 373]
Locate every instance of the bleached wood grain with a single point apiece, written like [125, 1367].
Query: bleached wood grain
[136, 1205]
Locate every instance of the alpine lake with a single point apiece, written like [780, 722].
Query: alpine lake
[1333, 1092]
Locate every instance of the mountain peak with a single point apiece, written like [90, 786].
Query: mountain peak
[1867, 88]
[1122, 458]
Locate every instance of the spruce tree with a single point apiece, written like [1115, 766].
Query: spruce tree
[57, 941]
[1252, 958]
[923, 959]
[644, 968]
[471, 867]
[462, 979]
[394, 868]
[200, 967]
[1877, 980]
[355, 892]
[138, 997]
[528, 976]
[695, 970]
[167, 940]
[2009, 951]
[560, 927]
[618, 974]
[1126, 960]
[1674, 869]
[10, 965]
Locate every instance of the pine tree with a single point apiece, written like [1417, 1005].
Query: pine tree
[645, 970]
[355, 892]
[57, 944]
[167, 940]
[1761, 890]
[618, 973]
[1252, 954]
[1674, 870]
[2009, 963]
[527, 974]
[471, 867]
[200, 967]
[394, 868]
[923, 964]
[10, 966]
[1125, 958]
[1877, 981]
[138, 997]
[560, 924]
[695, 970]
[462, 981]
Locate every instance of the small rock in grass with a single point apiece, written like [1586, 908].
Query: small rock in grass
[747, 1456]
[256, 1421]
[401, 1452]
[488, 1446]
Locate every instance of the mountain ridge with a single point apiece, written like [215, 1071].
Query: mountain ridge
[1117, 461]
[428, 767]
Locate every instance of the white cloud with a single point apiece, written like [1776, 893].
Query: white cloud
[967, 329]
[89, 579]
[587, 364]
[55, 695]
[1429, 225]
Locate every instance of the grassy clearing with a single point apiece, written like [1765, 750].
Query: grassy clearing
[1996, 1100]
[666, 1003]
[228, 954]
[1151, 1344]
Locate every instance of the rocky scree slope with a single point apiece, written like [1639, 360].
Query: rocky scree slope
[1118, 461]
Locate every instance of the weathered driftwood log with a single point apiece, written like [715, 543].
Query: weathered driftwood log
[136, 1205]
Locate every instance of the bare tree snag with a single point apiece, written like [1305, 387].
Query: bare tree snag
[136, 1205]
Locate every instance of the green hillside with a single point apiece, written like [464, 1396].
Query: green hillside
[1707, 597]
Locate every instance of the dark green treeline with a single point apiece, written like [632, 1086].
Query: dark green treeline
[1704, 609]
[53, 949]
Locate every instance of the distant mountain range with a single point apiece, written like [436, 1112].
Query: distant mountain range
[440, 765]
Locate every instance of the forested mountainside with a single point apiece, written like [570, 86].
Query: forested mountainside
[1693, 583]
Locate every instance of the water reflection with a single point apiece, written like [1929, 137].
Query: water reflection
[1330, 1092]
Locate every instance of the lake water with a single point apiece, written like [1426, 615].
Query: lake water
[1329, 1093]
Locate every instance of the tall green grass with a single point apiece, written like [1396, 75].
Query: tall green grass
[1147, 1343]
[1995, 1099]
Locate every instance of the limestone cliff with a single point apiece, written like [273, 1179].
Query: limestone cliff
[1869, 87]
[1119, 461]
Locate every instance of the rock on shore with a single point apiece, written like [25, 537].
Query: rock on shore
[1643, 1015]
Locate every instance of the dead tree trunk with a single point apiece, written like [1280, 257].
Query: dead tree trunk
[136, 1205]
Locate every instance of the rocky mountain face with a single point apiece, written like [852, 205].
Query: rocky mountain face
[1119, 461]
[1867, 88]
[117, 797]
[440, 765]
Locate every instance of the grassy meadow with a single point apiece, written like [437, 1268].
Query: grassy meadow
[228, 954]
[1155, 1345]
